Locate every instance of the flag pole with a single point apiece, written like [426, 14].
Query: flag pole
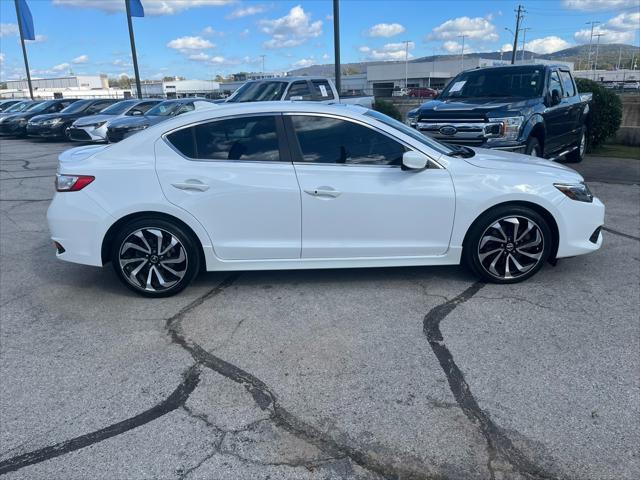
[24, 49]
[133, 49]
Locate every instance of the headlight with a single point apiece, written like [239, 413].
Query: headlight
[508, 128]
[91, 125]
[575, 191]
[21, 121]
[52, 121]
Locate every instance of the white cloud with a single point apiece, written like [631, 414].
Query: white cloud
[292, 30]
[1, 58]
[80, 59]
[593, 5]
[304, 62]
[151, 7]
[247, 11]
[619, 29]
[507, 47]
[452, 46]
[477, 28]
[546, 45]
[385, 30]
[390, 51]
[199, 57]
[190, 43]
[61, 67]
[210, 32]
[8, 29]
[325, 56]
[38, 39]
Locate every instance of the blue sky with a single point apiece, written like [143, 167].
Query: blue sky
[202, 38]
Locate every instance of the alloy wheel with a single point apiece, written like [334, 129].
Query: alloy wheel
[511, 247]
[583, 144]
[153, 259]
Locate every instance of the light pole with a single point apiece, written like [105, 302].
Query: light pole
[262, 56]
[595, 67]
[406, 64]
[593, 24]
[524, 41]
[462, 52]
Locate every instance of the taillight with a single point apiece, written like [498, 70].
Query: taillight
[72, 183]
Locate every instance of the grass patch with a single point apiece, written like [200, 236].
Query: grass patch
[619, 151]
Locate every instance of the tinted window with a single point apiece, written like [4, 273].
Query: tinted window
[245, 138]
[500, 82]
[569, 90]
[299, 89]
[322, 89]
[329, 140]
[554, 83]
[187, 107]
[258, 92]
[145, 106]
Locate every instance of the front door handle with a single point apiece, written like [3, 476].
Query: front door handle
[323, 192]
[196, 185]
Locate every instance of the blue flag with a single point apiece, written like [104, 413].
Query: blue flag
[136, 8]
[26, 20]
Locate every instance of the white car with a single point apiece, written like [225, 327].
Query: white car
[288, 185]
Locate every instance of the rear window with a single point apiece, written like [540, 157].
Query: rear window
[322, 89]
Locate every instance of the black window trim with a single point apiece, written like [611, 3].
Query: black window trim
[575, 90]
[285, 157]
[551, 72]
[296, 150]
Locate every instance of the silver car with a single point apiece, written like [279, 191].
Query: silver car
[94, 128]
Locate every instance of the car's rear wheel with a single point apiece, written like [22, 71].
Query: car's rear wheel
[155, 257]
[508, 244]
[577, 155]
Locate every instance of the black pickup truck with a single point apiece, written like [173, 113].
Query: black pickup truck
[532, 109]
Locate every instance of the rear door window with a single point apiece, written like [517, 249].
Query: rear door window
[322, 89]
[299, 89]
[569, 89]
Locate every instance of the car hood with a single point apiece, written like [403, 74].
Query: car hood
[91, 119]
[479, 105]
[131, 122]
[508, 161]
[17, 116]
[64, 116]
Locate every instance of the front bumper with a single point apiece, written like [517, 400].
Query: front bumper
[45, 131]
[88, 133]
[12, 129]
[578, 228]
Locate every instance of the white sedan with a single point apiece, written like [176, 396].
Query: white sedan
[284, 185]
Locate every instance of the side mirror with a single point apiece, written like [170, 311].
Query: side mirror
[136, 112]
[555, 97]
[412, 160]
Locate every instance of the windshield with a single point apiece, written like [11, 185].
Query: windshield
[259, 92]
[76, 107]
[18, 107]
[120, 107]
[38, 107]
[164, 109]
[523, 82]
[412, 132]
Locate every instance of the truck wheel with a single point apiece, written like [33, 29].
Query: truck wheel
[578, 154]
[533, 147]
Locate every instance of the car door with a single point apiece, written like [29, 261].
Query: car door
[235, 176]
[574, 107]
[555, 117]
[357, 201]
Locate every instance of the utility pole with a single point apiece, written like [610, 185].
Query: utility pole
[336, 44]
[462, 52]
[595, 67]
[593, 24]
[406, 64]
[519, 15]
[262, 56]
[24, 49]
[524, 41]
[134, 55]
[619, 58]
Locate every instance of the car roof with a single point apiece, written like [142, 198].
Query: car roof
[287, 79]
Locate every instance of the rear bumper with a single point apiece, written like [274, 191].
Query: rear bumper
[580, 221]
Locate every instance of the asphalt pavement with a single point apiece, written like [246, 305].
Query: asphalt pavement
[397, 373]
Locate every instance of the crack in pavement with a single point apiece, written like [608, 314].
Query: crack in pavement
[616, 232]
[498, 443]
[175, 400]
[267, 400]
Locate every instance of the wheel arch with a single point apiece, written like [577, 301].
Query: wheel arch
[113, 229]
[542, 211]
[536, 128]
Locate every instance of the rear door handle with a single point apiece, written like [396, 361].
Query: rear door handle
[323, 192]
[195, 185]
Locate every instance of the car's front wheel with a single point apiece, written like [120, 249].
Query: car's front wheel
[508, 244]
[155, 257]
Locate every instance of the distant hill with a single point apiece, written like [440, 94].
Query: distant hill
[607, 59]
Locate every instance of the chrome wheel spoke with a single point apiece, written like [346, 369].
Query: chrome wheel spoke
[533, 243]
[524, 234]
[484, 255]
[535, 256]
[153, 259]
[490, 238]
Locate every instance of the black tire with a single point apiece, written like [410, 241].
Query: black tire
[533, 146]
[475, 247]
[125, 259]
[577, 155]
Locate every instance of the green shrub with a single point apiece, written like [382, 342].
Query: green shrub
[387, 108]
[605, 114]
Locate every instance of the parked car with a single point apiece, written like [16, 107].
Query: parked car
[94, 127]
[310, 89]
[4, 104]
[122, 128]
[16, 125]
[18, 107]
[286, 185]
[534, 109]
[422, 92]
[56, 125]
